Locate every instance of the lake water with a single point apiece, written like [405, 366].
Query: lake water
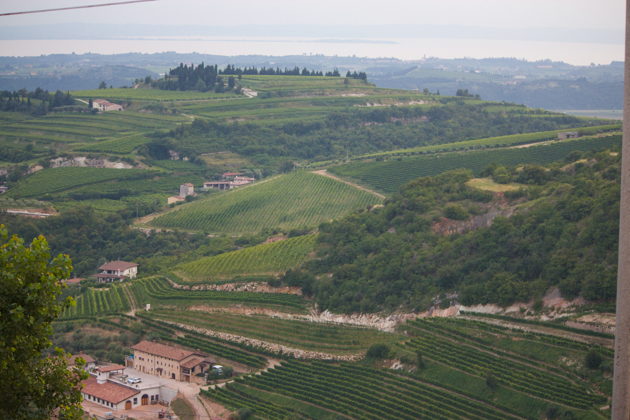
[405, 49]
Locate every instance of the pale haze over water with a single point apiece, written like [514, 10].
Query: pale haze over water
[405, 49]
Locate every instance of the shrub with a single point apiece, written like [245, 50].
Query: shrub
[378, 351]
[552, 412]
[455, 212]
[491, 381]
[593, 359]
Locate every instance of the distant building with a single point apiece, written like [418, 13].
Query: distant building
[103, 105]
[236, 181]
[70, 282]
[90, 363]
[116, 270]
[186, 189]
[568, 135]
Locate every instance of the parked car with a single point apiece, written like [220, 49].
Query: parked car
[133, 380]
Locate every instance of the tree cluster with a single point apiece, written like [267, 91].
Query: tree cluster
[36, 103]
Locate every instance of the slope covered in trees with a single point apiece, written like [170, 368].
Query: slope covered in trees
[563, 231]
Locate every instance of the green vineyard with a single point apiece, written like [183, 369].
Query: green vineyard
[273, 258]
[160, 291]
[119, 146]
[60, 179]
[357, 392]
[328, 338]
[147, 95]
[285, 202]
[94, 302]
[389, 176]
[502, 141]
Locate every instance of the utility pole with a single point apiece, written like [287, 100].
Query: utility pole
[621, 379]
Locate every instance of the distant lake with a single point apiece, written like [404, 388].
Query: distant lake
[404, 48]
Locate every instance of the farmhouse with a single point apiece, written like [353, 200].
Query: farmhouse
[186, 189]
[568, 135]
[107, 387]
[237, 181]
[116, 270]
[103, 105]
[169, 362]
[90, 363]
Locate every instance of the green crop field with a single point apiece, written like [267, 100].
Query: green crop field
[390, 175]
[148, 95]
[95, 302]
[153, 183]
[59, 179]
[501, 141]
[328, 338]
[160, 291]
[119, 146]
[273, 258]
[179, 165]
[285, 202]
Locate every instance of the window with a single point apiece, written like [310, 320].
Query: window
[135, 401]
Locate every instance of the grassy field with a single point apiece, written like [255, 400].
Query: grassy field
[487, 184]
[183, 409]
[299, 334]
[273, 258]
[284, 202]
[390, 175]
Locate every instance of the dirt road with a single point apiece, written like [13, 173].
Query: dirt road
[324, 172]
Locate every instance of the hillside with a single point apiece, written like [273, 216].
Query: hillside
[431, 239]
[286, 202]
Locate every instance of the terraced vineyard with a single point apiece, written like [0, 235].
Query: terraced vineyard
[358, 392]
[273, 258]
[95, 302]
[390, 175]
[60, 179]
[328, 338]
[502, 141]
[285, 202]
[160, 291]
[119, 146]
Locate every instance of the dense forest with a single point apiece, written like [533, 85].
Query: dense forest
[357, 131]
[563, 233]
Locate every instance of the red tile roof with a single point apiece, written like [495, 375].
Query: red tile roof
[109, 391]
[73, 281]
[86, 357]
[188, 184]
[110, 368]
[117, 265]
[162, 350]
[192, 363]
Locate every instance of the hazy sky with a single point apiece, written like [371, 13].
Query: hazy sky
[606, 14]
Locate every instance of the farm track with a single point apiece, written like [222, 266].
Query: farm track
[324, 172]
[132, 301]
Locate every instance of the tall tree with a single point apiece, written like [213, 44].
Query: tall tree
[33, 387]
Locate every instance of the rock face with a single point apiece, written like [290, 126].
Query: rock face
[82, 162]
[276, 348]
[261, 287]
[447, 226]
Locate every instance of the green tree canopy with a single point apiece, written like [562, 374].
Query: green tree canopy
[33, 386]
